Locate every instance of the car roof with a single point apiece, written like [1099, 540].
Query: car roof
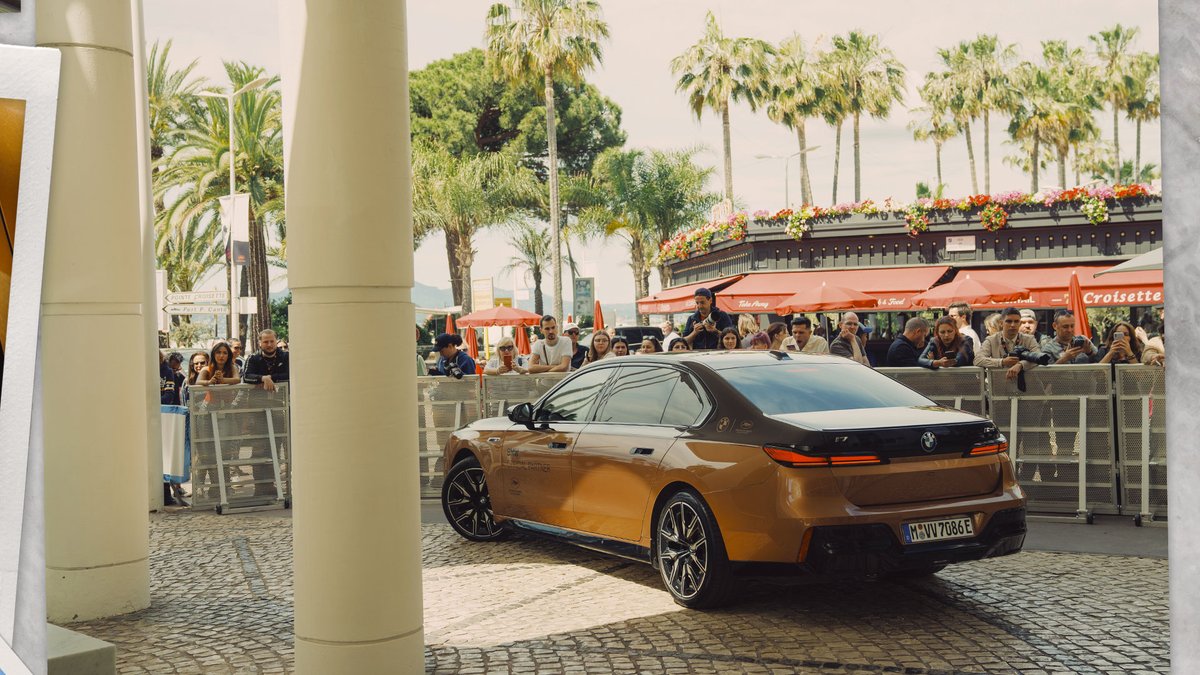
[740, 358]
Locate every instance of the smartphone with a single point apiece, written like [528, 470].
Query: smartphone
[1119, 335]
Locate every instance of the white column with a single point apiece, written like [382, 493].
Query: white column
[93, 340]
[357, 518]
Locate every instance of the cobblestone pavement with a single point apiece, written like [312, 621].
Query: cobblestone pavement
[222, 594]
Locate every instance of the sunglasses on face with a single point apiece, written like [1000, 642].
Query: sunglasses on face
[506, 348]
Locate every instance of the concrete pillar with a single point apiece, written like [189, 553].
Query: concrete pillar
[356, 522]
[93, 339]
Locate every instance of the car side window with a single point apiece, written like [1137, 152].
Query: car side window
[639, 395]
[686, 404]
[574, 400]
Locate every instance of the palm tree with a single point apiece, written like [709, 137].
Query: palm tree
[196, 173]
[672, 197]
[964, 106]
[533, 255]
[1145, 99]
[988, 63]
[1071, 82]
[188, 252]
[718, 69]
[167, 91]
[935, 123]
[872, 78]
[833, 107]
[546, 40]
[1037, 116]
[795, 95]
[461, 196]
[1112, 48]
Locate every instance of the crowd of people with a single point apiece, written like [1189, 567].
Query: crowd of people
[1012, 342]
[223, 364]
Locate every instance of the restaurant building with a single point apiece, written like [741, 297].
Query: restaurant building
[752, 263]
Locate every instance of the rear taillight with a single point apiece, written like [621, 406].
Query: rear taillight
[988, 448]
[798, 458]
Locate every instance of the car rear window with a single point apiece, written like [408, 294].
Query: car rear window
[783, 388]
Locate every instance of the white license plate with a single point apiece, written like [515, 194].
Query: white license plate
[958, 527]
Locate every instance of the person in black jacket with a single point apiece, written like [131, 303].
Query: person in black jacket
[905, 351]
[704, 326]
[270, 365]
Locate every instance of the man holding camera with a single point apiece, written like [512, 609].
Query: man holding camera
[453, 361]
[1065, 346]
[1010, 348]
[704, 326]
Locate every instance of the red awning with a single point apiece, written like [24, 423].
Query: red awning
[760, 293]
[1048, 284]
[679, 299]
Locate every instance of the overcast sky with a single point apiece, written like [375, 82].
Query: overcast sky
[647, 34]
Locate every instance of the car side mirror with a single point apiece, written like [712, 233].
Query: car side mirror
[522, 414]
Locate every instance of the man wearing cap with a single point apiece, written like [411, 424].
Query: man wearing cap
[447, 345]
[579, 352]
[551, 354]
[1029, 324]
[704, 326]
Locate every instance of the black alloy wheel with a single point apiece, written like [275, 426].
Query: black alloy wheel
[690, 554]
[467, 505]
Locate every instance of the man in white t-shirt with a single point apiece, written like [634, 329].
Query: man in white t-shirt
[803, 340]
[669, 334]
[551, 354]
[961, 313]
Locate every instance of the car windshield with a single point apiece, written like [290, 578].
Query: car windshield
[784, 388]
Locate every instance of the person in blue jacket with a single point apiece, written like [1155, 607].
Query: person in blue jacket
[453, 361]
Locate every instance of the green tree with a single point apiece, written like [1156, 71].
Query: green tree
[1071, 82]
[1145, 99]
[955, 86]
[987, 66]
[547, 40]
[934, 122]
[718, 69]
[167, 94]
[1113, 50]
[279, 316]
[794, 95]
[533, 256]
[833, 107]
[461, 195]
[1038, 114]
[189, 250]
[195, 175]
[872, 78]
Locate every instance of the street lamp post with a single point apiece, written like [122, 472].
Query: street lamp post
[234, 332]
[786, 168]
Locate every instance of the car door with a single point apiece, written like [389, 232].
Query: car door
[535, 464]
[616, 459]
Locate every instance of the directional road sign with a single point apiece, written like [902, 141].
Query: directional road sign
[196, 309]
[198, 296]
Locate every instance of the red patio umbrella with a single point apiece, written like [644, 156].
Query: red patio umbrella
[824, 298]
[598, 321]
[971, 291]
[499, 316]
[471, 343]
[1075, 304]
[521, 338]
[450, 324]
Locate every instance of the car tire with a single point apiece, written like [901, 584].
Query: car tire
[690, 554]
[467, 504]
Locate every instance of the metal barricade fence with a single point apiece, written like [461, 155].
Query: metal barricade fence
[961, 388]
[504, 391]
[239, 437]
[1062, 422]
[443, 406]
[1142, 432]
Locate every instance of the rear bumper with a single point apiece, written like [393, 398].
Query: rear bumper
[857, 551]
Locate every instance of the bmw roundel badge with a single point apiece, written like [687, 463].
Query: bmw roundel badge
[928, 441]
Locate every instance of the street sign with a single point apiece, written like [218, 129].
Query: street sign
[196, 309]
[198, 296]
[584, 296]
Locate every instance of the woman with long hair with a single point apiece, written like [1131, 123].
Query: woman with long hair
[747, 325]
[730, 340]
[620, 346]
[778, 332]
[600, 347]
[947, 348]
[1121, 345]
[506, 361]
[220, 369]
[992, 324]
[196, 365]
[650, 345]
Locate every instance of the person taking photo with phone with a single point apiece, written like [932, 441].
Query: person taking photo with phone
[1122, 345]
[1065, 346]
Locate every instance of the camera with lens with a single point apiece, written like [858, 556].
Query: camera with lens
[1025, 354]
[454, 371]
[1079, 341]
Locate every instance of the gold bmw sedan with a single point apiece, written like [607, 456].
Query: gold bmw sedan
[717, 466]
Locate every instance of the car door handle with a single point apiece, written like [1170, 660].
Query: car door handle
[555, 445]
[642, 451]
